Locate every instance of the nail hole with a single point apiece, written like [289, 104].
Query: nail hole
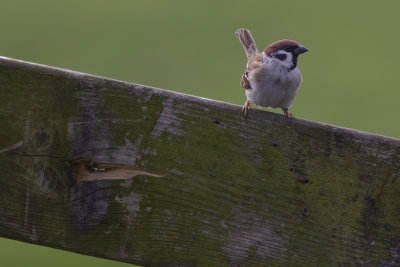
[275, 145]
[220, 124]
[305, 181]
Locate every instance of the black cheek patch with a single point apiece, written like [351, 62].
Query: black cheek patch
[281, 56]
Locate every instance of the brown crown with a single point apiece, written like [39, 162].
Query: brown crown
[279, 45]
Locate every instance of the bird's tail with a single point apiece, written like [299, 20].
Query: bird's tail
[248, 43]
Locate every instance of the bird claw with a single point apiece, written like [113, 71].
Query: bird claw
[246, 108]
[287, 113]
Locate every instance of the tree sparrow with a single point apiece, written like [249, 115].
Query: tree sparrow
[271, 78]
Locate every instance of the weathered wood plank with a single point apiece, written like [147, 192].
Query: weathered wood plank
[224, 191]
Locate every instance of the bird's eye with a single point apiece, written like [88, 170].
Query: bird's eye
[281, 56]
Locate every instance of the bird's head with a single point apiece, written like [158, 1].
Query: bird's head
[285, 53]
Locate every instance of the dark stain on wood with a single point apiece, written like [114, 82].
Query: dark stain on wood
[89, 203]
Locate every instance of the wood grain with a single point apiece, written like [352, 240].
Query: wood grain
[258, 192]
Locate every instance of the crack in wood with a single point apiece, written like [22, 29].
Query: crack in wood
[86, 169]
[12, 147]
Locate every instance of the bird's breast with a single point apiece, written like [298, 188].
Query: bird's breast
[273, 87]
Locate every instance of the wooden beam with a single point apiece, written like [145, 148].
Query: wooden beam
[147, 176]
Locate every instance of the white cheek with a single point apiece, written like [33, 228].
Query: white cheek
[288, 62]
[289, 59]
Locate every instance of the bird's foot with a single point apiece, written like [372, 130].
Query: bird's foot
[246, 108]
[287, 113]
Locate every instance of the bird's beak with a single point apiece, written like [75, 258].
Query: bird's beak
[300, 50]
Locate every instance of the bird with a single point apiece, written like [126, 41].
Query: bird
[272, 77]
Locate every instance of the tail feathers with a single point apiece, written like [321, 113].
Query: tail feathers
[248, 43]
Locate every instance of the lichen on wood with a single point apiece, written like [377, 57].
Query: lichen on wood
[81, 156]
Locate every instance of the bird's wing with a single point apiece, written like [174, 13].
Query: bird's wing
[254, 64]
[244, 82]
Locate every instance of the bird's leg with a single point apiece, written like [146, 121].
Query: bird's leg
[287, 113]
[246, 108]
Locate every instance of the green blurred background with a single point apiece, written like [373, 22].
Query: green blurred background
[350, 75]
